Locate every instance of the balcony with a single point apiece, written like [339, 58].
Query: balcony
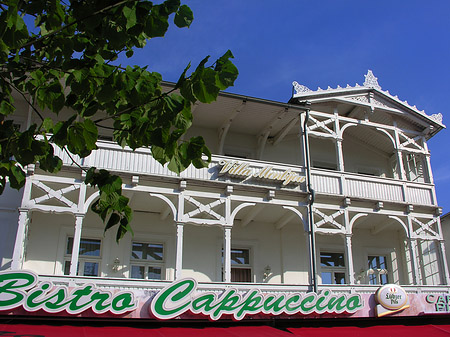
[140, 162]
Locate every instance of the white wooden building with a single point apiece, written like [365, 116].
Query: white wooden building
[249, 220]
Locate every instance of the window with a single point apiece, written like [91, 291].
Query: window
[332, 268]
[147, 261]
[88, 257]
[378, 273]
[241, 270]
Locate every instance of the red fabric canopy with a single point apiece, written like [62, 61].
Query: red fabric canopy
[25, 330]
[375, 331]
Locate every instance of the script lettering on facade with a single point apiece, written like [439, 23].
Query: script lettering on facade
[244, 171]
[181, 296]
[21, 288]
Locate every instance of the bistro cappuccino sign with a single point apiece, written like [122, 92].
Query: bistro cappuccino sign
[22, 289]
[243, 170]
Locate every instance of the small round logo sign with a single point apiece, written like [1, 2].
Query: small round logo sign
[391, 296]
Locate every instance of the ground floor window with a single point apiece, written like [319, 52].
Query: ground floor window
[88, 257]
[378, 272]
[147, 261]
[332, 268]
[241, 270]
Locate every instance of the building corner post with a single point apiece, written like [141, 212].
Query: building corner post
[19, 245]
[179, 251]
[76, 244]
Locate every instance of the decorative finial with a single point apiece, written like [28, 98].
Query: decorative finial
[299, 89]
[371, 81]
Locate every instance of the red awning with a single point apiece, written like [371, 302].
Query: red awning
[375, 331]
[25, 330]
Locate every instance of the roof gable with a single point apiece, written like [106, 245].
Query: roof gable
[369, 95]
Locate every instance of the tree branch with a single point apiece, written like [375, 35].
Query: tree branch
[43, 37]
[24, 97]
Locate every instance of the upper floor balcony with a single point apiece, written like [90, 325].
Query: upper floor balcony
[112, 157]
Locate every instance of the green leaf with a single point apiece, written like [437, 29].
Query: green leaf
[184, 17]
[130, 16]
[205, 88]
[6, 108]
[113, 220]
[228, 72]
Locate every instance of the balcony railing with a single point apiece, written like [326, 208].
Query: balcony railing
[127, 284]
[140, 162]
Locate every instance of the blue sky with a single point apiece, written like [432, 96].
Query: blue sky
[323, 43]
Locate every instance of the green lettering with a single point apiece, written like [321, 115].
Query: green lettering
[101, 298]
[308, 299]
[251, 304]
[12, 288]
[323, 297]
[165, 305]
[74, 305]
[275, 307]
[354, 303]
[290, 300]
[227, 303]
[122, 303]
[205, 302]
[336, 302]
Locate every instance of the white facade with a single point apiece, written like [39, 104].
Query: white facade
[375, 213]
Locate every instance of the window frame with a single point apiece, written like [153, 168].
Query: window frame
[333, 269]
[82, 259]
[378, 274]
[243, 266]
[148, 263]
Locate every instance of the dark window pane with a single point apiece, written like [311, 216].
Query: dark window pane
[154, 273]
[88, 247]
[66, 267]
[69, 246]
[240, 256]
[332, 260]
[146, 251]
[339, 278]
[90, 269]
[138, 272]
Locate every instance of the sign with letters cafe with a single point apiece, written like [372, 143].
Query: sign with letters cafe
[23, 293]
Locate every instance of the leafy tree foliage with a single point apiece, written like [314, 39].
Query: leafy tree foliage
[65, 61]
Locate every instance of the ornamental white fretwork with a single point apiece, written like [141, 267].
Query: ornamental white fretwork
[300, 89]
[54, 194]
[317, 125]
[206, 209]
[329, 220]
[411, 144]
[371, 81]
[425, 230]
[437, 117]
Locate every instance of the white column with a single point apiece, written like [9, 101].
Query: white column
[444, 262]
[340, 155]
[179, 257]
[227, 254]
[401, 169]
[339, 152]
[19, 246]
[76, 244]
[414, 261]
[349, 257]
